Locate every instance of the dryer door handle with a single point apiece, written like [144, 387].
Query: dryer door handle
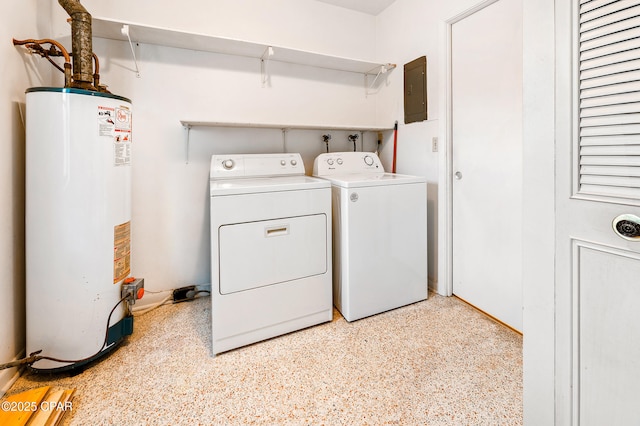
[274, 231]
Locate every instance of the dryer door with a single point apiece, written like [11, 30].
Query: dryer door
[257, 254]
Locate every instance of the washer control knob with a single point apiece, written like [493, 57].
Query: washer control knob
[228, 164]
[294, 162]
[339, 161]
[368, 160]
[283, 163]
[330, 161]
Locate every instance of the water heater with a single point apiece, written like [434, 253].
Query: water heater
[78, 224]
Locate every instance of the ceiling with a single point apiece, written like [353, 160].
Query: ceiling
[372, 7]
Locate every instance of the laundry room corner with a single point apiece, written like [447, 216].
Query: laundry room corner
[262, 187]
[419, 144]
[168, 85]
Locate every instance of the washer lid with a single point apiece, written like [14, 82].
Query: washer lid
[356, 180]
[222, 187]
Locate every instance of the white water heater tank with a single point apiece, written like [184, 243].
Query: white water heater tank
[78, 224]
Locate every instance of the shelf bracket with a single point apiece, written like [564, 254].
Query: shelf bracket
[264, 63]
[125, 32]
[383, 70]
[187, 128]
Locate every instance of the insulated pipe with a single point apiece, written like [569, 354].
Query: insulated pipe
[81, 43]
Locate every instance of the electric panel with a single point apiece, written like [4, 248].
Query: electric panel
[415, 90]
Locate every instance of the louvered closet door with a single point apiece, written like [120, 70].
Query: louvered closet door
[609, 77]
[597, 180]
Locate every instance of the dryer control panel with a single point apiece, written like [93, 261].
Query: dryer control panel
[228, 166]
[339, 163]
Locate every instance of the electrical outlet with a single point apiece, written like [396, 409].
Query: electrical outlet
[434, 144]
[182, 294]
[132, 289]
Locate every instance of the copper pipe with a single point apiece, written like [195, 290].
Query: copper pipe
[96, 71]
[96, 76]
[36, 46]
[64, 52]
[81, 39]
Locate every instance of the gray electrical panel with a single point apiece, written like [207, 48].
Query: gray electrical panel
[415, 90]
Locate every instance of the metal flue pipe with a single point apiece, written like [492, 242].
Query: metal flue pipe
[81, 44]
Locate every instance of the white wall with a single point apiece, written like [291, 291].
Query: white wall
[18, 71]
[170, 219]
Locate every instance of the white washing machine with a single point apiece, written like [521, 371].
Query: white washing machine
[379, 234]
[270, 248]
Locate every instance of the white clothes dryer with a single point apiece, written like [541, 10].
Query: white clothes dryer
[379, 234]
[270, 248]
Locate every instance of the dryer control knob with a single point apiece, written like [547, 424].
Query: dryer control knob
[339, 161]
[368, 160]
[294, 162]
[283, 163]
[330, 162]
[228, 164]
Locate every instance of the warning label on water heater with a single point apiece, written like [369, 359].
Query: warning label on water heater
[122, 137]
[122, 148]
[116, 124]
[121, 251]
[106, 120]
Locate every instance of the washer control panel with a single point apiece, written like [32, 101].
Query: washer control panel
[334, 163]
[225, 166]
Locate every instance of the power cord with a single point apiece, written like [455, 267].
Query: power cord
[34, 356]
[178, 295]
[188, 294]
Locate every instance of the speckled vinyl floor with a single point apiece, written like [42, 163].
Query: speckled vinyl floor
[437, 362]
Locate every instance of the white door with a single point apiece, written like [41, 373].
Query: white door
[486, 100]
[597, 179]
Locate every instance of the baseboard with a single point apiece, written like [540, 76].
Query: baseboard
[9, 376]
